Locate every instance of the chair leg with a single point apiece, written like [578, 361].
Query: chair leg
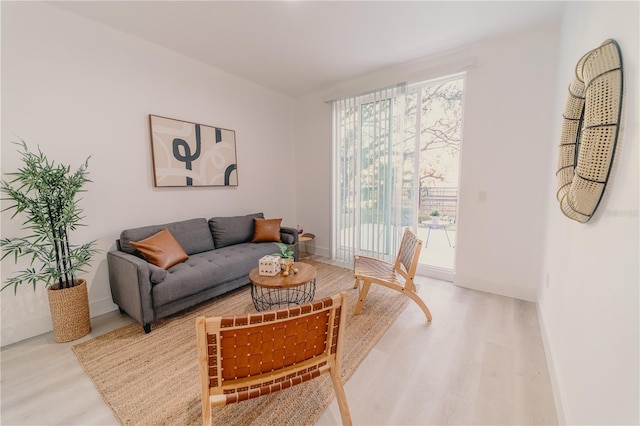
[363, 295]
[341, 397]
[206, 412]
[356, 283]
[414, 296]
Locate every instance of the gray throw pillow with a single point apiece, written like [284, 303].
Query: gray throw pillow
[228, 231]
[192, 234]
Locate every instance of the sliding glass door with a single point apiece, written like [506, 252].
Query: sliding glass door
[435, 110]
[396, 165]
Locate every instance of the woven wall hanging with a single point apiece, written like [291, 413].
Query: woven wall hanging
[591, 122]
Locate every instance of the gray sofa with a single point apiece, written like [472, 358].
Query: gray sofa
[221, 255]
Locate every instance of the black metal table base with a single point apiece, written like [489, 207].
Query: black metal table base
[265, 298]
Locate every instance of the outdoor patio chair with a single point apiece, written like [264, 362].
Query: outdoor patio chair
[246, 356]
[396, 276]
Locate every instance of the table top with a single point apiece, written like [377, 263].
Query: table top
[305, 274]
[306, 237]
[433, 225]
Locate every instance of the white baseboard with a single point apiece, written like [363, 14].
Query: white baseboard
[528, 294]
[33, 326]
[555, 383]
[321, 251]
[102, 306]
[41, 324]
[436, 273]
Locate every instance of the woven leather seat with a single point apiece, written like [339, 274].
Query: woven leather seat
[396, 276]
[246, 356]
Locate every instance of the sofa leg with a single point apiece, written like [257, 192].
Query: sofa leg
[147, 328]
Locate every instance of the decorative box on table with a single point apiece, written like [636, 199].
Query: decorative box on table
[269, 265]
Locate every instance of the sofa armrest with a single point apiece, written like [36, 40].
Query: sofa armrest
[130, 283]
[286, 232]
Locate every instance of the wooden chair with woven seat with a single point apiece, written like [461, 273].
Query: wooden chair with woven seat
[396, 276]
[245, 356]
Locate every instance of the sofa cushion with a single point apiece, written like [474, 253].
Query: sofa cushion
[266, 230]
[193, 235]
[161, 249]
[206, 270]
[232, 230]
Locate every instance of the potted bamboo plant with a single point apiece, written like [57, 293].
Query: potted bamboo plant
[45, 194]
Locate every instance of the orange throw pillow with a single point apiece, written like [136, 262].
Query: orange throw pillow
[267, 230]
[161, 249]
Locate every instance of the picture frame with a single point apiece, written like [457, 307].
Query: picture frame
[188, 154]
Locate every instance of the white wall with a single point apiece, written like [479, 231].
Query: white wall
[77, 88]
[507, 128]
[312, 136]
[507, 118]
[589, 311]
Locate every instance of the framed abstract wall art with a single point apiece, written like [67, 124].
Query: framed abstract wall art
[192, 154]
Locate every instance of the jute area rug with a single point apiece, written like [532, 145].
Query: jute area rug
[153, 379]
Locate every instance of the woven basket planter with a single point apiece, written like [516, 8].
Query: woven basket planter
[70, 311]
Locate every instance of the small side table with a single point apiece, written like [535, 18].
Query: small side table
[305, 238]
[430, 225]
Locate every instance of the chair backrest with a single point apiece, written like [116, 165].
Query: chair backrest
[408, 255]
[242, 357]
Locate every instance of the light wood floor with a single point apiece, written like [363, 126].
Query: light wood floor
[481, 361]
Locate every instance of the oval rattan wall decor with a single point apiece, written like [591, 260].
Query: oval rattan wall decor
[590, 127]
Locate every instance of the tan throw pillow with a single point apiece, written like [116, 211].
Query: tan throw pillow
[161, 249]
[267, 230]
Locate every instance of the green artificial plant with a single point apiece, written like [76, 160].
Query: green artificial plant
[286, 252]
[47, 194]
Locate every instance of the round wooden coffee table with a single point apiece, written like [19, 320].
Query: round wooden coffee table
[277, 291]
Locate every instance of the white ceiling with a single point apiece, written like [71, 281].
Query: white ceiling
[300, 47]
